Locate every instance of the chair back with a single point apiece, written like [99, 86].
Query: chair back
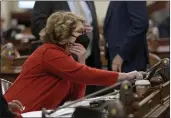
[5, 85]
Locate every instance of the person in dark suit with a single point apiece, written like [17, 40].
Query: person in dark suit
[125, 28]
[43, 9]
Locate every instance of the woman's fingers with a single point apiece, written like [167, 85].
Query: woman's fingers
[15, 104]
[74, 52]
[88, 28]
[80, 51]
[16, 114]
[78, 47]
[18, 102]
[78, 44]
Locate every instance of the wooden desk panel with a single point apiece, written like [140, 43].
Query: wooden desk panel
[160, 47]
[9, 76]
[20, 61]
[13, 68]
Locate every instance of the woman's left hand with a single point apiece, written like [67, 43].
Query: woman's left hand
[80, 51]
[15, 105]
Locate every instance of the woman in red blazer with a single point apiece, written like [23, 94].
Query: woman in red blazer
[50, 76]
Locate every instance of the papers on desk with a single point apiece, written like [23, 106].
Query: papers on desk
[67, 112]
[32, 114]
[62, 113]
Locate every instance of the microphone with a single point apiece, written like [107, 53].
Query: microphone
[164, 63]
[86, 97]
[81, 99]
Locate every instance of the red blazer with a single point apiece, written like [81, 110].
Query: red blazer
[50, 76]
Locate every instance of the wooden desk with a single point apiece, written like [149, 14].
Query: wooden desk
[162, 49]
[20, 61]
[156, 6]
[156, 104]
[22, 47]
[14, 68]
[9, 76]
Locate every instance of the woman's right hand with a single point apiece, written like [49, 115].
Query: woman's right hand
[135, 75]
[131, 75]
[80, 51]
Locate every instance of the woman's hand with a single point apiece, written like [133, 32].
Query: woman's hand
[135, 75]
[131, 75]
[15, 105]
[88, 28]
[80, 51]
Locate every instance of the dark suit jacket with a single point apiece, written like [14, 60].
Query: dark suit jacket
[43, 9]
[125, 29]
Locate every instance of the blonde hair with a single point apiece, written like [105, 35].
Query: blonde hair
[59, 27]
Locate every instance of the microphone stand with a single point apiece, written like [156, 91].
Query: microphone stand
[44, 112]
[76, 101]
[152, 70]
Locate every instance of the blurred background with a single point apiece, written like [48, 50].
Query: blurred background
[16, 29]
